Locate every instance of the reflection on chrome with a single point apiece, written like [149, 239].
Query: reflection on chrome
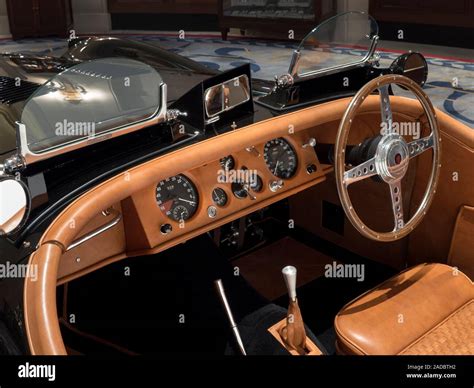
[13, 205]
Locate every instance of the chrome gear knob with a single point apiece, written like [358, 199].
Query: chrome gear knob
[289, 274]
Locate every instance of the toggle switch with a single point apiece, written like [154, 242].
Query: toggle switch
[310, 143]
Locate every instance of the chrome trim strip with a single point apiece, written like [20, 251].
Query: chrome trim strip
[31, 157]
[100, 230]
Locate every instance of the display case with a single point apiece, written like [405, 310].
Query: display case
[270, 16]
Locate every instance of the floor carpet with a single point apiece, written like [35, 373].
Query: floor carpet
[163, 304]
[269, 58]
[272, 258]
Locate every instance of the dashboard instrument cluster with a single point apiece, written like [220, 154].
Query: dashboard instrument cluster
[235, 185]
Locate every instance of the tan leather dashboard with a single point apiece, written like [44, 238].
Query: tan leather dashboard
[143, 203]
[134, 192]
[140, 232]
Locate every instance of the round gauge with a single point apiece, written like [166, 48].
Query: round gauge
[227, 163]
[256, 184]
[238, 190]
[177, 197]
[219, 196]
[280, 158]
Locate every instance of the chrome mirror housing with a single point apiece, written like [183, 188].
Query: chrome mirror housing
[226, 96]
[14, 204]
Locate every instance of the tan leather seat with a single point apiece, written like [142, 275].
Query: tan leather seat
[427, 309]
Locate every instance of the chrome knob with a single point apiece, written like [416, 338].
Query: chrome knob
[246, 188]
[276, 185]
[310, 143]
[289, 274]
[253, 150]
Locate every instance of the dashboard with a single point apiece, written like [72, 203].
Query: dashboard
[235, 185]
[172, 210]
[188, 192]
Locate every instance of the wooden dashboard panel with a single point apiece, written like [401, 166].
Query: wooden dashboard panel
[143, 217]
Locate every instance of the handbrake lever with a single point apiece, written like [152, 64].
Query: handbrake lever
[235, 330]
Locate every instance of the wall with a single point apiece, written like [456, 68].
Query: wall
[352, 5]
[4, 27]
[90, 16]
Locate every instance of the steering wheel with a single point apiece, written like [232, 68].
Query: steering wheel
[391, 160]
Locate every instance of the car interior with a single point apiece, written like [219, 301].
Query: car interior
[124, 269]
[169, 208]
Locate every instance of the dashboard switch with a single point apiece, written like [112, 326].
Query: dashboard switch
[276, 185]
[166, 229]
[310, 143]
[246, 188]
[212, 211]
[253, 150]
[310, 168]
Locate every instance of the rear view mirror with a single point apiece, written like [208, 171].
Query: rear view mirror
[412, 65]
[227, 95]
[14, 205]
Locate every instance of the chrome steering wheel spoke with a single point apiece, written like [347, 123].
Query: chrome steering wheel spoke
[397, 204]
[360, 172]
[386, 110]
[417, 147]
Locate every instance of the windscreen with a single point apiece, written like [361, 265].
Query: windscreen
[342, 40]
[90, 99]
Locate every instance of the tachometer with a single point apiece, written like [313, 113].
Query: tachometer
[177, 197]
[280, 158]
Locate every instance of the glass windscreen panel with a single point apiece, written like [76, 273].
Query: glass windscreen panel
[342, 40]
[91, 99]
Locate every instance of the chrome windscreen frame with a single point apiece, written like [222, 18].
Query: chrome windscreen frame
[295, 60]
[30, 157]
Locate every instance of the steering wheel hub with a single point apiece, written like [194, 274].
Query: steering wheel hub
[392, 158]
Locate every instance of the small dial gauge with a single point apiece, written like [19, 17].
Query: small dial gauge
[177, 197]
[239, 190]
[219, 197]
[227, 163]
[280, 158]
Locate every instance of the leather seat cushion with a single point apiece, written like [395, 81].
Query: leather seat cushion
[427, 309]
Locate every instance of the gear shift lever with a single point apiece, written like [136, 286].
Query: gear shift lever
[289, 274]
[293, 334]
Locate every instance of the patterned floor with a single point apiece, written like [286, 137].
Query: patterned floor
[269, 58]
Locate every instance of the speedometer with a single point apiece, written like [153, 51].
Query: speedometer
[280, 158]
[177, 197]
